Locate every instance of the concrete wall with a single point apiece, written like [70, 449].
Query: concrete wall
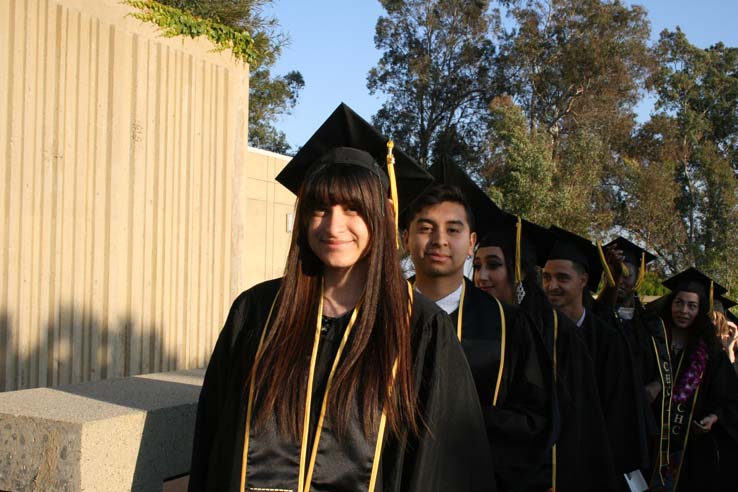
[131, 213]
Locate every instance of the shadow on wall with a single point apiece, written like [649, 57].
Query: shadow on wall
[78, 349]
[75, 346]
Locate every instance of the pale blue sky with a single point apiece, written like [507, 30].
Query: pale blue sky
[332, 44]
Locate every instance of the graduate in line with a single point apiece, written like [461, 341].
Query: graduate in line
[337, 376]
[506, 267]
[507, 358]
[570, 276]
[645, 334]
[703, 424]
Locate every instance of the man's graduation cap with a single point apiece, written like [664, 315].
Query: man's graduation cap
[693, 280]
[345, 138]
[575, 248]
[633, 254]
[486, 212]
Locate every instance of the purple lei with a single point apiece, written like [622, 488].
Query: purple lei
[691, 379]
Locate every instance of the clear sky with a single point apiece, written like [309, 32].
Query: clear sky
[332, 45]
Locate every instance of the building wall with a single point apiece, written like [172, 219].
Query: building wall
[130, 215]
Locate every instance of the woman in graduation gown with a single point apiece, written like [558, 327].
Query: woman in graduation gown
[505, 266]
[704, 401]
[335, 377]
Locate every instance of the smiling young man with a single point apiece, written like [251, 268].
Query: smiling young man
[514, 389]
[572, 271]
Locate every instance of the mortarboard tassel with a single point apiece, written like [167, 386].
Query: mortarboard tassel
[393, 189]
[712, 294]
[608, 274]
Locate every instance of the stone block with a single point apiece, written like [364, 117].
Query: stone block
[125, 434]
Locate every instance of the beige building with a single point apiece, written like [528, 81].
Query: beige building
[132, 211]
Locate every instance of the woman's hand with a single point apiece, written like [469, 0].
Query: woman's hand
[731, 341]
[705, 425]
[615, 258]
[652, 390]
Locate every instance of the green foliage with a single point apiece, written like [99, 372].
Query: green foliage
[691, 141]
[520, 167]
[652, 285]
[175, 22]
[436, 69]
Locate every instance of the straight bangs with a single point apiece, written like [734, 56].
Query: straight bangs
[353, 187]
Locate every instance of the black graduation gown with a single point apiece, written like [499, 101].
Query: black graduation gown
[583, 460]
[708, 462]
[520, 424]
[614, 376]
[450, 453]
[647, 355]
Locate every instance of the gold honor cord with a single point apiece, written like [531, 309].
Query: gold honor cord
[380, 436]
[665, 409]
[393, 189]
[686, 438]
[309, 394]
[324, 405]
[383, 419]
[555, 364]
[502, 354]
[250, 404]
[459, 320]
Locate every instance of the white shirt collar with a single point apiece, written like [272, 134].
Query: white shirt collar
[451, 302]
[580, 321]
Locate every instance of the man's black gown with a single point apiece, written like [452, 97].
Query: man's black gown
[450, 452]
[647, 354]
[614, 376]
[583, 459]
[520, 423]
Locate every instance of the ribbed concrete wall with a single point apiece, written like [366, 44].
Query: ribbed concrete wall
[122, 207]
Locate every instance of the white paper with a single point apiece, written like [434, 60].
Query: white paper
[635, 481]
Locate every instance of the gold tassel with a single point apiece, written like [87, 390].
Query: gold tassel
[608, 274]
[393, 189]
[712, 294]
[518, 240]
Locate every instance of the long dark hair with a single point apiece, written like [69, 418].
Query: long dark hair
[702, 326]
[382, 330]
[535, 303]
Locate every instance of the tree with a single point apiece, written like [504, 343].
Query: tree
[691, 143]
[436, 69]
[575, 68]
[269, 96]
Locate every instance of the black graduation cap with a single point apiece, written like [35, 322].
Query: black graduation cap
[529, 242]
[722, 304]
[731, 317]
[693, 280]
[486, 212]
[573, 247]
[634, 254]
[345, 138]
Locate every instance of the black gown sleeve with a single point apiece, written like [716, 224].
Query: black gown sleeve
[520, 427]
[218, 431]
[451, 451]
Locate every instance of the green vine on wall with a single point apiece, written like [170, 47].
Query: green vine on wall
[175, 22]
